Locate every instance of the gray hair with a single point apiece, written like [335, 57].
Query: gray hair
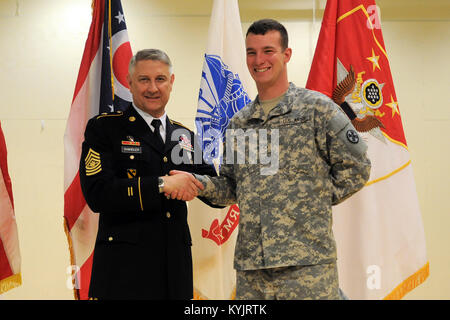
[149, 54]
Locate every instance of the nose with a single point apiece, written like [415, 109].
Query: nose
[152, 88]
[259, 58]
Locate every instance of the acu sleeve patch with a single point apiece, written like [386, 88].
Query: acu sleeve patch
[344, 130]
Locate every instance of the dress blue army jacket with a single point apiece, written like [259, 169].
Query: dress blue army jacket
[143, 245]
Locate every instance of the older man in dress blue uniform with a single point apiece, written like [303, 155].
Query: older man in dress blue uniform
[143, 246]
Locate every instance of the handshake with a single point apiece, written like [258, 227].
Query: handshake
[181, 185]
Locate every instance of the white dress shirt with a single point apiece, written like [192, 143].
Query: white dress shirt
[148, 118]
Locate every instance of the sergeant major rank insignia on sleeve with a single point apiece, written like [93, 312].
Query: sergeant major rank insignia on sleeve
[93, 163]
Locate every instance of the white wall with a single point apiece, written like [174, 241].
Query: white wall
[41, 48]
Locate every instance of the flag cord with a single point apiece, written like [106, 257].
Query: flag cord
[314, 12]
[311, 34]
[110, 50]
[17, 8]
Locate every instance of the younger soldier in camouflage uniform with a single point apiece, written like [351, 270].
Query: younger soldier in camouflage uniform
[285, 247]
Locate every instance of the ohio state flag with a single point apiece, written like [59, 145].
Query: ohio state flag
[379, 231]
[224, 90]
[101, 87]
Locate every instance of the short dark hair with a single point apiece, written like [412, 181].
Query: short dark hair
[265, 25]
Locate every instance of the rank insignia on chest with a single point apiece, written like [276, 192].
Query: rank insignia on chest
[93, 163]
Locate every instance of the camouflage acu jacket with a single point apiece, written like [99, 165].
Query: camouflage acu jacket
[285, 205]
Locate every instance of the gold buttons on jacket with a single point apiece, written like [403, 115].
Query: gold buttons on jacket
[168, 215]
[165, 159]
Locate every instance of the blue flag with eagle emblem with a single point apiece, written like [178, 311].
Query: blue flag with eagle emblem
[221, 96]
[225, 88]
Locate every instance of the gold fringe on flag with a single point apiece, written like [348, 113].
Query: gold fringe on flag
[410, 283]
[199, 296]
[10, 283]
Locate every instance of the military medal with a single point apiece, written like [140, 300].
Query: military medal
[131, 146]
[185, 143]
[131, 143]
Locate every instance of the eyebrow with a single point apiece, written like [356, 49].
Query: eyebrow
[143, 76]
[264, 48]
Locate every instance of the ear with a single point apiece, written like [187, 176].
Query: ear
[287, 55]
[171, 80]
[129, 80]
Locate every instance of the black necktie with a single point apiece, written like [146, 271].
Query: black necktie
[156, 123]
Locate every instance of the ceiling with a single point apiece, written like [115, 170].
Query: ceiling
[303, 9]
[250, 10]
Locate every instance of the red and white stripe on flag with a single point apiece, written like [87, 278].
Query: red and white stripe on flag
[105, 59]
[10, 261]
[379, 231]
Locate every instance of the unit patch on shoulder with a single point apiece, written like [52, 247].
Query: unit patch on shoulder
[93, 163]
[352, 136]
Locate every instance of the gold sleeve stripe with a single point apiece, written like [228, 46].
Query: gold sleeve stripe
[92, 172]
[140, 195]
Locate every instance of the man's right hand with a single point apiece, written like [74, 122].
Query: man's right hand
[182, 186]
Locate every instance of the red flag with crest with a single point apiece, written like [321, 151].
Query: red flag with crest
[379, 231]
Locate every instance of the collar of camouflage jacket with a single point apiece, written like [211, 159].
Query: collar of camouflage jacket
[283, 107]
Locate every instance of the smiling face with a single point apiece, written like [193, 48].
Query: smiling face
[267, 63]
[150, 84]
